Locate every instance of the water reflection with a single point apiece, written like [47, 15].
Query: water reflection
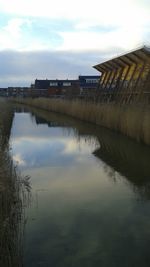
[44, 143]
[86, 182]
[128, 158]
[121, 155]
[12, 198]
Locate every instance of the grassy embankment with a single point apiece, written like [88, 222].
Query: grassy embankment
[131, 120]
[11, 196]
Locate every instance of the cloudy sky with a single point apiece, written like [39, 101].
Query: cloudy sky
[63, 39]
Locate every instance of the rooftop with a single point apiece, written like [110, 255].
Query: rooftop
[141, 54]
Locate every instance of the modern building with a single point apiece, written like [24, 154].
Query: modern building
[57, 88]
[64, 88]
[126, 78]
[88, 85]
[83, 86]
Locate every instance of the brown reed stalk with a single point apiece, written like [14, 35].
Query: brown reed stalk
[130, 120]
[11, 200]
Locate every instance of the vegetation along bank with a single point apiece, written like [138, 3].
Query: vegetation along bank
[131, 120]
[12, 195]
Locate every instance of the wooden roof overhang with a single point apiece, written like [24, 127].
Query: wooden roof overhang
[133, 57]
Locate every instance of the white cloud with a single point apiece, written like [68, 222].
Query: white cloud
[121, 23]
[92, 32]
[11, 34]
[98, 10]
[14, 27]
[84, 40]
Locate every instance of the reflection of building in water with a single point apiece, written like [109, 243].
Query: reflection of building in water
[40, 120]
[125, 78]
[117, 151]
[126, 157]
[21, 109]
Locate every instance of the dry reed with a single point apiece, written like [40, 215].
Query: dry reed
[131, 120]
[12, 194]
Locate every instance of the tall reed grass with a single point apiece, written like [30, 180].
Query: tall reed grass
[131, 120]
[12, 197]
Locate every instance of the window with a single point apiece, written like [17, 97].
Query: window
[91, 80]
[66, 83]
[53, 84]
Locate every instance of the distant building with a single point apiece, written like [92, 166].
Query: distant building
[15, 91]
[64, 88]
[88, 85]
[3, 91]
[84, 85]
[57, 88]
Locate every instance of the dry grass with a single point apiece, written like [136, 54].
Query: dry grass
[11, 196]
[130, 120]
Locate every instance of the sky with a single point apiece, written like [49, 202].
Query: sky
[63, 39]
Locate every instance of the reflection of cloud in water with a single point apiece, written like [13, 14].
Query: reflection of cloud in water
[83, 212]
[31, 130]
[79, 146]
[17, 158]
[31, 152]
[77, 185]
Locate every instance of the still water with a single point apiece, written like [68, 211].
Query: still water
[90, 197]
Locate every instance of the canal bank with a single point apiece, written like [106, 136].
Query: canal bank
[130, 120]
[12, 195]
[6, 118]
[10, 202]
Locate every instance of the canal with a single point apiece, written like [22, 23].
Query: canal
[90, 193]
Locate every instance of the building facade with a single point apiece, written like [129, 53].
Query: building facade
[88, 85]
[85, 85]
[57, 88]
[125, 79]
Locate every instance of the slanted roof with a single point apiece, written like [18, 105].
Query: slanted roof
[128, 59]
